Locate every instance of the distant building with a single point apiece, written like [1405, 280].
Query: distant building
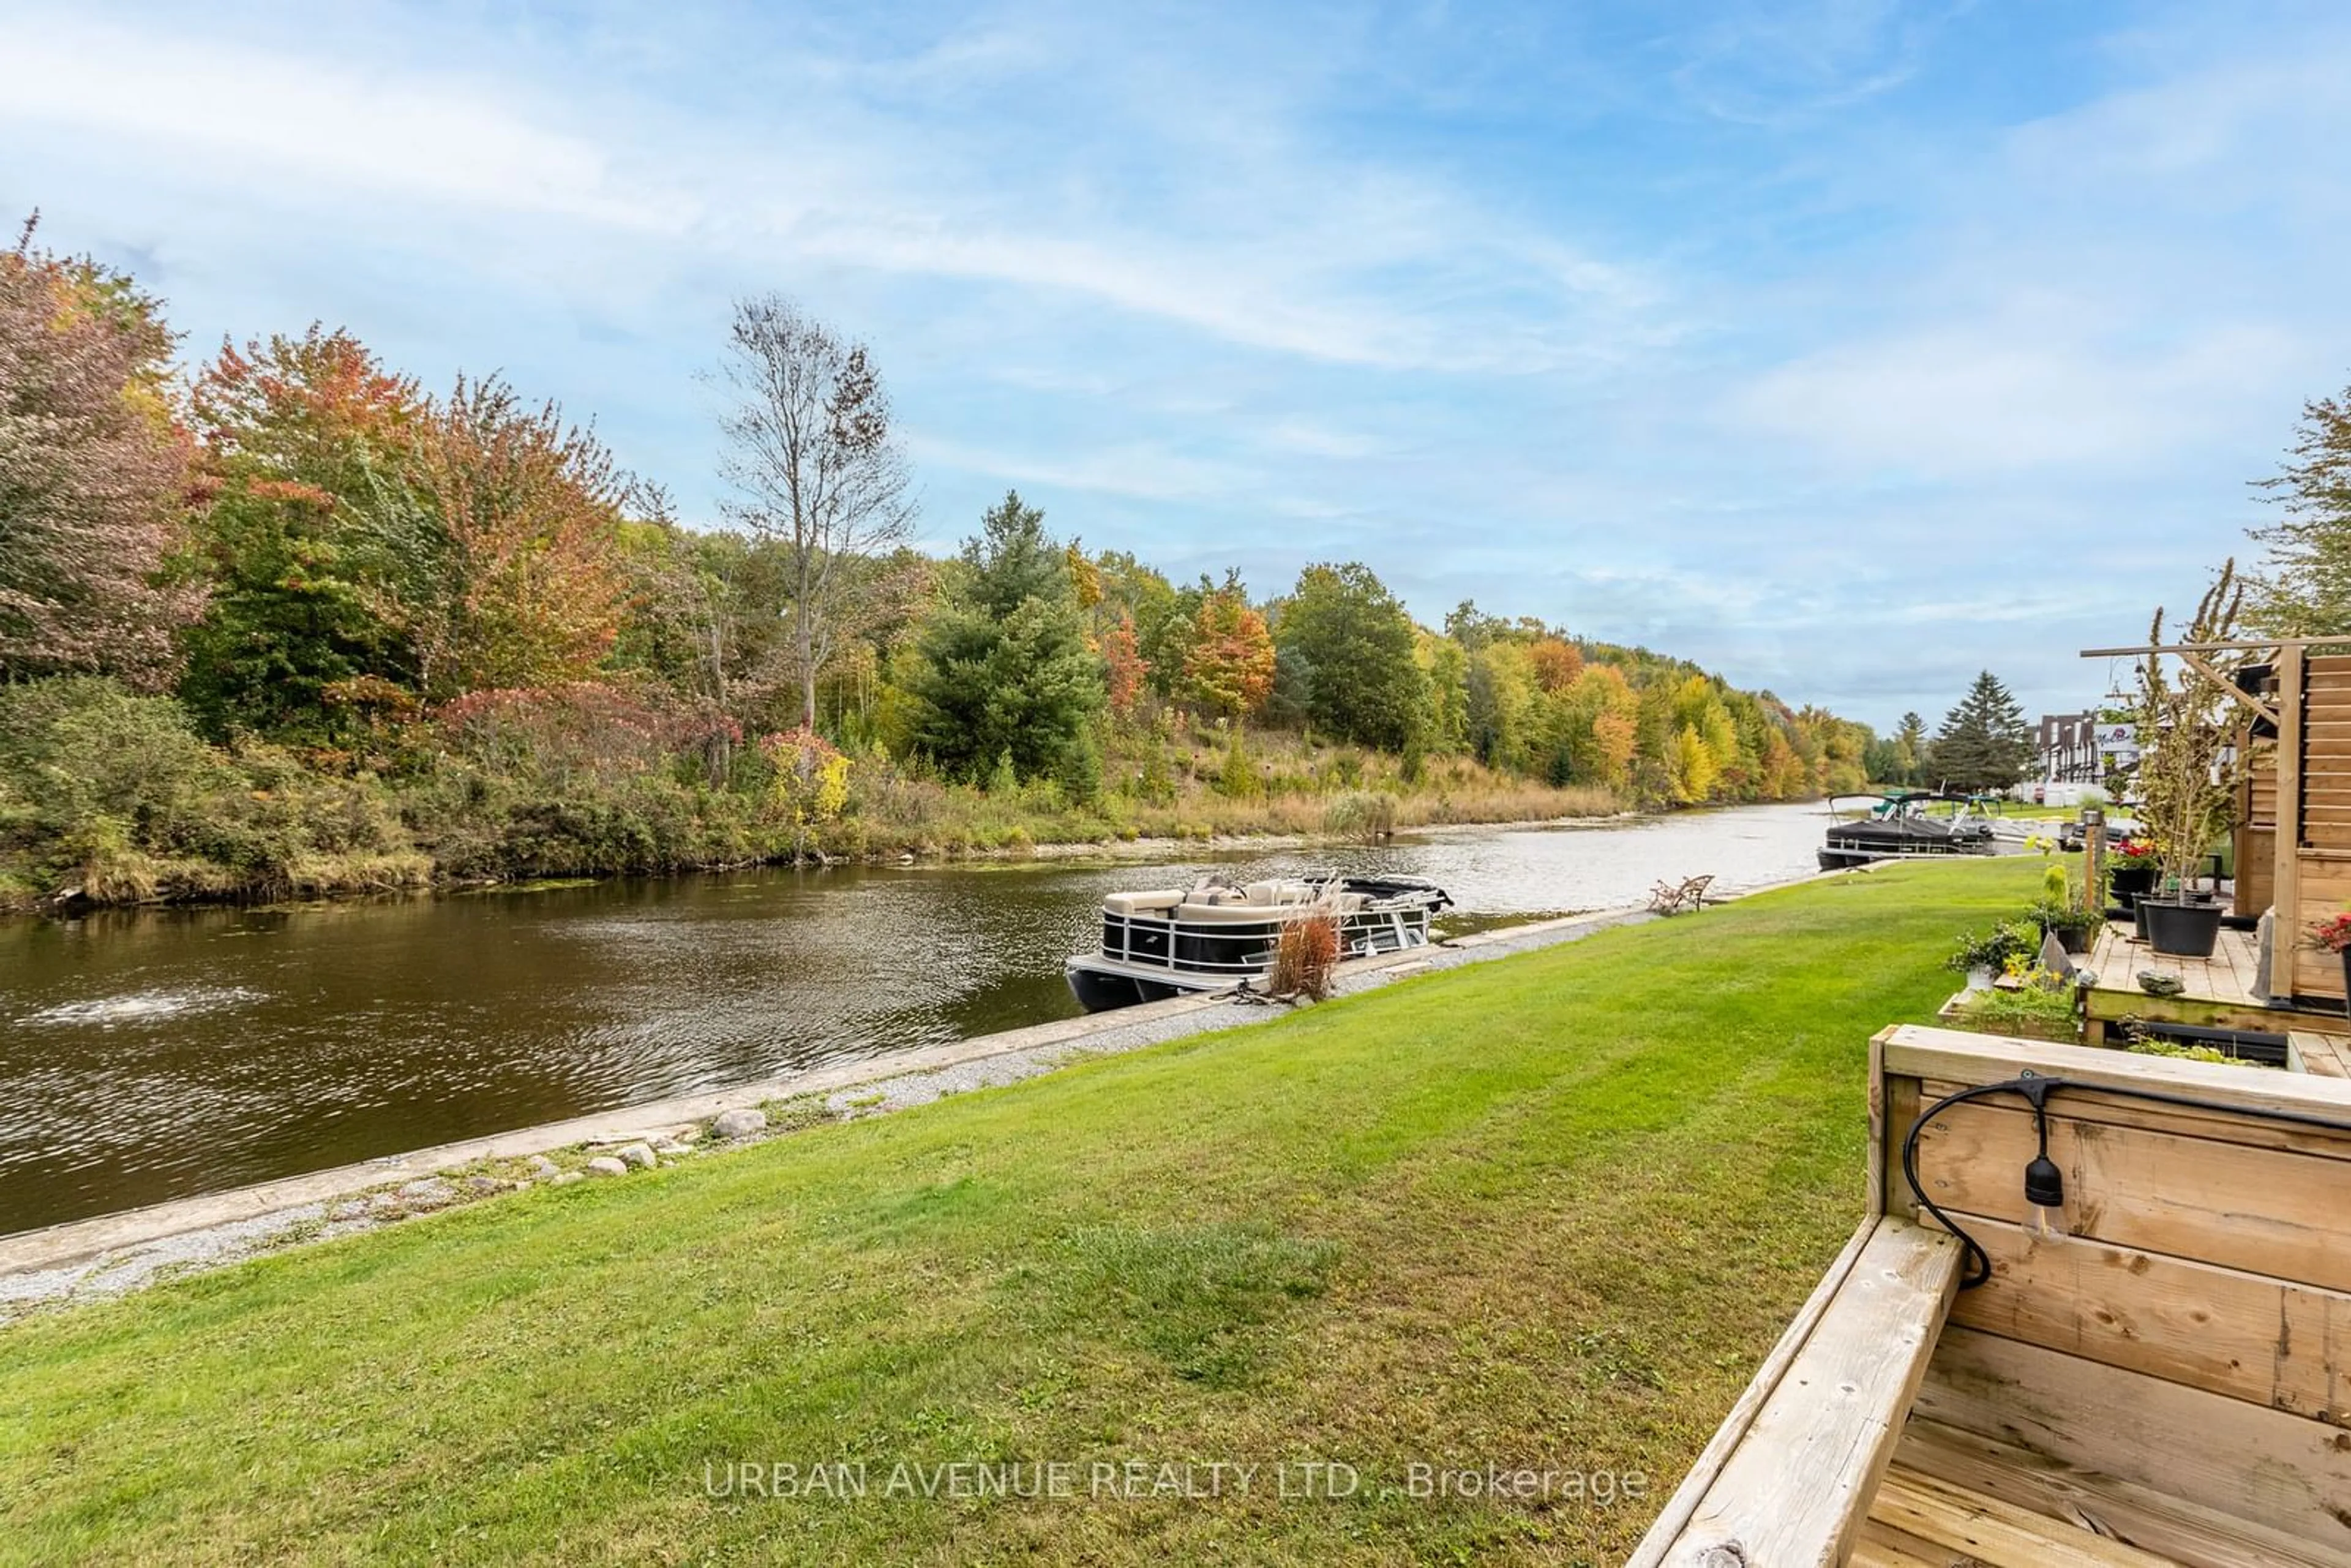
[2067, 745]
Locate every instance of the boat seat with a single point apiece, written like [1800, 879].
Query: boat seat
[1225, 914]
[1156, 902]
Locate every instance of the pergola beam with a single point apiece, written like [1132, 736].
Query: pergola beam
[2192, 655]
[2261, 644]
[2196, 662]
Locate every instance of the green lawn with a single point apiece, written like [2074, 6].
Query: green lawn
[1545, 1212]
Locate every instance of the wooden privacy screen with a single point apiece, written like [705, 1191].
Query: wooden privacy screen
[2322, 844]
[2177, 1367]
[2256, 856]
[2293, 818]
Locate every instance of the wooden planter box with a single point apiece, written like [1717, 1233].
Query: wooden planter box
[1953, 1012]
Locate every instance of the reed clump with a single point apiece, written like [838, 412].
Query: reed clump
[1366, 816]
[1306, 956]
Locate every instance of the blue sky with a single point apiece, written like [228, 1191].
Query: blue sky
[1846, 347]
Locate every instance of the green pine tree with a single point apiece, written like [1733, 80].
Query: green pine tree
[1910, 742]
[1984, 743]
[1004, 668]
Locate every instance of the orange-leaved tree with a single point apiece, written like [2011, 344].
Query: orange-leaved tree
[1556, 664]
[533, 588]
[319, 550]
[93, 473]
[1229, 669]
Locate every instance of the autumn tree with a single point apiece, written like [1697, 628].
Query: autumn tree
[93, 473]
[320, 551]
[532, 589]
[1125, 666]
[1501, 704]
[1228, 667]
[1837, 746]
[1692, 764]
[814, 458]
[1445, 666]
[1785, 775]
[1555, 664]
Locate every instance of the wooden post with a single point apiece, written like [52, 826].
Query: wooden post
[2286, 884]
[2094, 859]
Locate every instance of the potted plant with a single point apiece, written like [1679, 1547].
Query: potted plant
[2061, 914]
[2011, 942]
[2187, 777]
[2334, 934]
[2071, 923]
[2130, 872]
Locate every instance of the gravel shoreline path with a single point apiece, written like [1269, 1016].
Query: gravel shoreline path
[114, 1254]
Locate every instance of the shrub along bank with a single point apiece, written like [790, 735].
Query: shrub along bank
[114, 798]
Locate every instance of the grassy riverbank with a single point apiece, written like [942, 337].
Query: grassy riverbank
[1545, 1212]
[111, 798]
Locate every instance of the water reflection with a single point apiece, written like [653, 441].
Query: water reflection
[152, 1054]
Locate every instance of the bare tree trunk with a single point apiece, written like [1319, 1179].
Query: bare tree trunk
[811, 450]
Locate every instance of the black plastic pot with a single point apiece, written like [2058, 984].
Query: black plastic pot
[2074, 940]
[2130, 883]
[2138, 916]
[2182, 928]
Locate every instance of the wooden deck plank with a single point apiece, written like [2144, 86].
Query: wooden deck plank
[2243, 1461]
[2218, 992]
[1882, 1546]
[1668, 1526]
[2118, 957]
[2115, 1508]
[2320, 1053]
[2271, 1342]
[2274, 1214]
[1943, 1055]
[1995, 1533]
[1793, 1491]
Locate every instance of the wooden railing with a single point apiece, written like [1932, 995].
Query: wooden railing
[2155, 1368]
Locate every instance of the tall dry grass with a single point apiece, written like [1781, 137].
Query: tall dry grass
[1305, 956]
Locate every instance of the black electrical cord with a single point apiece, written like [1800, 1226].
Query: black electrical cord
[2044, 1184]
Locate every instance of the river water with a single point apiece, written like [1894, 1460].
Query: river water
[153, 1054]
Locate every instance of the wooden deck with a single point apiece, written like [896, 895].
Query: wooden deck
[2155, 1382]
[1920, 1520]
[2219, 991]
[2229, 975]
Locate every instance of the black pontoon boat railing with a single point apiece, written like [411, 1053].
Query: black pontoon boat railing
[1198, 947]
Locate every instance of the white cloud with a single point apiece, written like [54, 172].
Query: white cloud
[1281, 250]
[227, 113]
[2016, 392]
[1135, 469]
[1316, 440]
